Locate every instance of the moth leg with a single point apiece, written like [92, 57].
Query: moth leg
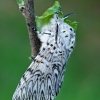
[31, 57]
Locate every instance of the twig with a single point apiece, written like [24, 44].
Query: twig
[28, 13]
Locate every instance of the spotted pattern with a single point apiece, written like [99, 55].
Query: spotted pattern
[44, 77]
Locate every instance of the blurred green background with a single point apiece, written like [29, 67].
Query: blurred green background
[82, 77]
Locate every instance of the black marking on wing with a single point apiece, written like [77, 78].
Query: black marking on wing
[30, 70]
[42, 85]
[56, 34]
[47, 33]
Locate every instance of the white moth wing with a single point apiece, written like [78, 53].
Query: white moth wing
[44, 77]
[41, 80]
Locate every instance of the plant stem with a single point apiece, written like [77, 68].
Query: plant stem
[28, 13]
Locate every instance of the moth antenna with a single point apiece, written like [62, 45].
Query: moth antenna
[67, 15]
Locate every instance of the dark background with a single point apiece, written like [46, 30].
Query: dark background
[82, 77]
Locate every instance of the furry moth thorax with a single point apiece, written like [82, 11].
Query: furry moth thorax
[58, 31]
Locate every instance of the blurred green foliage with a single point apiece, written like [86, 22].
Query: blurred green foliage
[82, 77]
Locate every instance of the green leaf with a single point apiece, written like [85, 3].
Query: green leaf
[49, 13]
[21, 2]
[55, 8]
[45, 18]
[72, 24]
[40, 22]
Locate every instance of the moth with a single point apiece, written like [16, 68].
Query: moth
[43, 79]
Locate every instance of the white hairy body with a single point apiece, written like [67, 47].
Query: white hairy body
[44, 77]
